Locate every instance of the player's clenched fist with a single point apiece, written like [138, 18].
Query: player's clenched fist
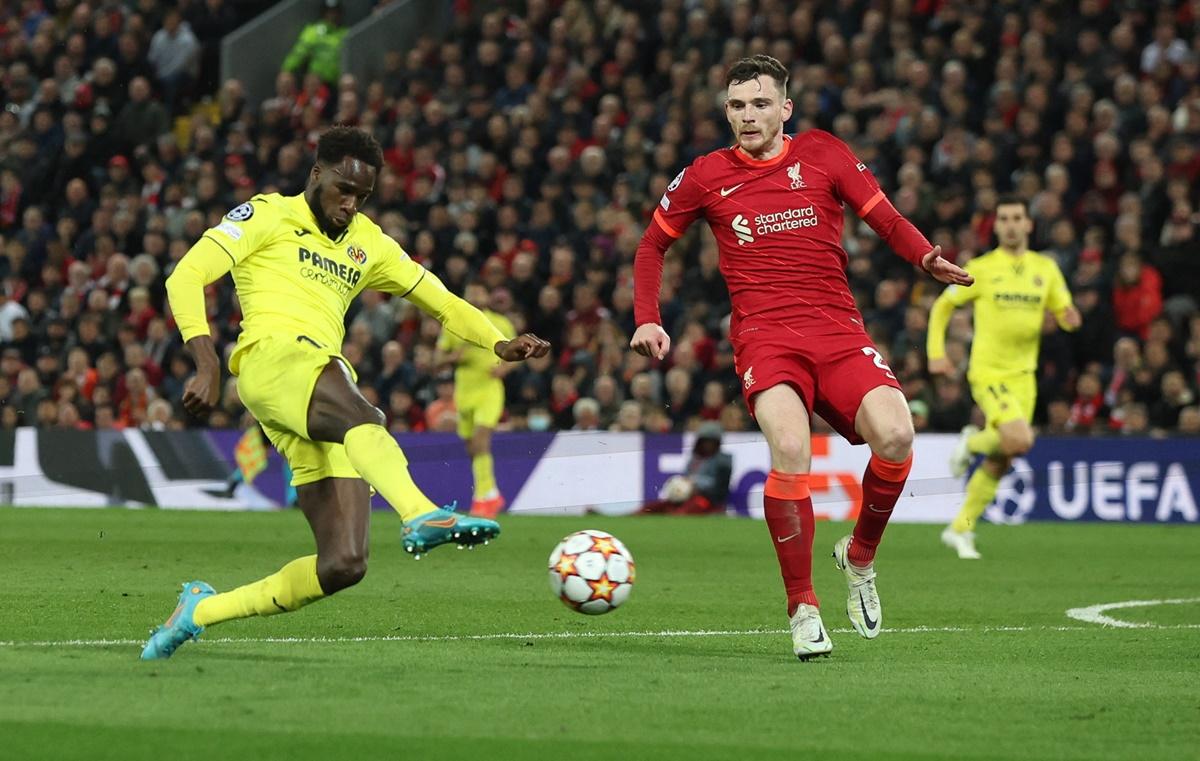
[651, 340]
[201, 391]
[524, 346]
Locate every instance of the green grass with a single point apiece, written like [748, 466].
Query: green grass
[1056, 689]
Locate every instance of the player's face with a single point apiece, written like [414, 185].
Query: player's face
[337, 191]
[756, 110]
[1013, 226]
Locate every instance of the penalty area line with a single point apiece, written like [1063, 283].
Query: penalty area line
[663, 634]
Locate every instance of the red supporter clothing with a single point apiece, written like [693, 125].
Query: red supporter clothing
[778, 225]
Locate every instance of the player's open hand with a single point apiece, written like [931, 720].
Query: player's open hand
[941, 366]
[202, 390]
[650, 340]
[1071, 319]
[524, 346]
[944, 270]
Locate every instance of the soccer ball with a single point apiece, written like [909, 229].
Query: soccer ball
[591, 572]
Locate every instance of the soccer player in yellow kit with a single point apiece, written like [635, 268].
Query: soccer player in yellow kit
[1014, 288]
[479, 399]
[297, 263]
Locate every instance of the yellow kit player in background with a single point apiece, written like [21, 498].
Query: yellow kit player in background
[479, 399]
[1014, 288]
[297, 263]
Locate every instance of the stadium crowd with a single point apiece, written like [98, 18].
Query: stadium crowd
[526, 150]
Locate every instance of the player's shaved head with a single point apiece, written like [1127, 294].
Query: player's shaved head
[755, 66]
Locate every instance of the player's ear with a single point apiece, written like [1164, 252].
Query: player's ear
[786, 111]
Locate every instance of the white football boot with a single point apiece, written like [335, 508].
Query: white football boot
[961, 542]
[960, 459]
[809, 637]
[862, 606]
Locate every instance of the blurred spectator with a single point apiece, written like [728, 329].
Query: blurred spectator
[175, 55]
[319, 47]
[703, 487]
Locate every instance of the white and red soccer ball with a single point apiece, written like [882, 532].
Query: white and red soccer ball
[591, 572]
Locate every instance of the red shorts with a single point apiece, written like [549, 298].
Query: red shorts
[831, 373]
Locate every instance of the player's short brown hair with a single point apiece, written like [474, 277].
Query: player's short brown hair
[754, 67]
[1012, 199]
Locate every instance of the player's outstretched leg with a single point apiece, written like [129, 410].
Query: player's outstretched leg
[180, 625]
[339, 413]
[338, 512]
[884, 422]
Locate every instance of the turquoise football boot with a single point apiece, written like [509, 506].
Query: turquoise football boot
[444, 525]
[180, 627]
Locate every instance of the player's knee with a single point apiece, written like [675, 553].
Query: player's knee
[791, 452]
[894, 442]
[375, 416]
[1016, 443]
[342, 570]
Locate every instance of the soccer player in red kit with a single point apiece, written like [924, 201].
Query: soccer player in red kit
[774, 203]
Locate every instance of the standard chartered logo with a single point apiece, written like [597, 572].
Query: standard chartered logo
[776, 222]
[741, 228]
[781, 221]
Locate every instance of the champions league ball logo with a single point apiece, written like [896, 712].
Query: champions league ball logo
[1015, 497]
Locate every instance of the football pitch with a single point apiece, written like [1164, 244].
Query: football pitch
[467, 655]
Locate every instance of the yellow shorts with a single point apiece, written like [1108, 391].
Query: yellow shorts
[275, 380]
[1006, 398]
[479, 405]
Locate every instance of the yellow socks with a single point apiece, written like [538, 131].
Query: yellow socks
[980, 491]
[985, 442]
[483, 468]
[378, 459]
[290, 588]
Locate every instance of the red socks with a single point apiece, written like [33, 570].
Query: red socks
[788, 508]
[882, 484]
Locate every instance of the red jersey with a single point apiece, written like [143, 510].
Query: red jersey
[778, 225]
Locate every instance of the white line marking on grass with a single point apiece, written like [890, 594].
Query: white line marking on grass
[666, 633]
[1094, 614]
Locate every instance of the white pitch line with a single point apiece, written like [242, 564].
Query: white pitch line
[1094, 614]
[667, 633]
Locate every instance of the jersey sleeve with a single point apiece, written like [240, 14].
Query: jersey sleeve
[245, 229]
[682, 203]
[395, 271]
[852, 180]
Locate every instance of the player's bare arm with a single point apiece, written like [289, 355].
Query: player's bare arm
[650, 340]
[201, 392]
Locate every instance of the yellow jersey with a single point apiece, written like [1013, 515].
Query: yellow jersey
[475, 366]
[293, 280]
[1011, 295]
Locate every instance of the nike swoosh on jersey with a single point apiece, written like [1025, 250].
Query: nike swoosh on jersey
[302, 233]
[782, 539]
[727, 191]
